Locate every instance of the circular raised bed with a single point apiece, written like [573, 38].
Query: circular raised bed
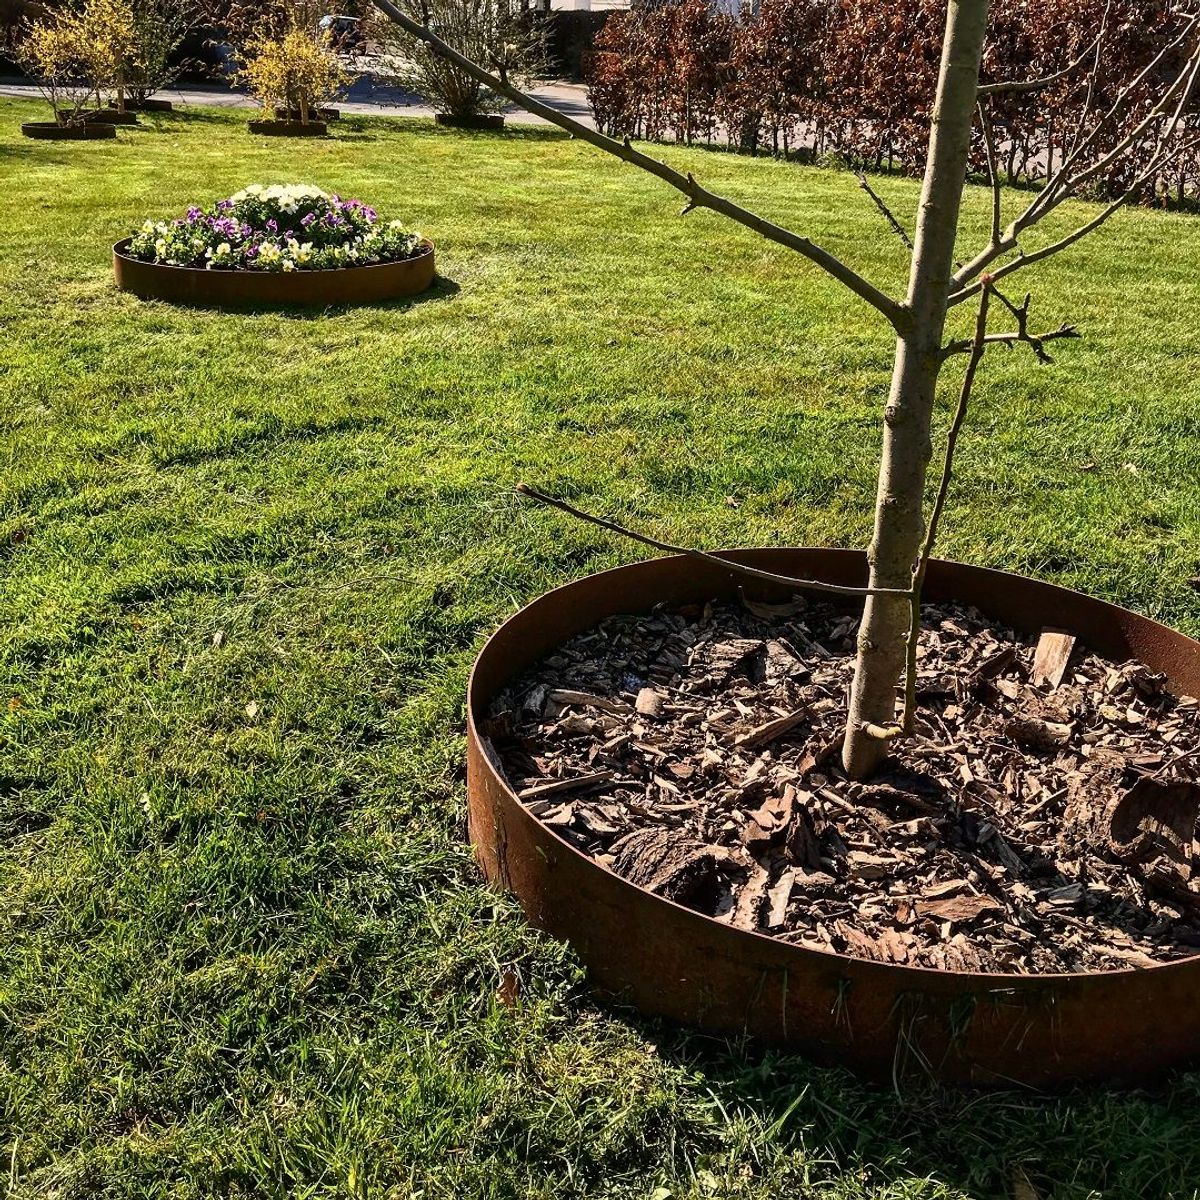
[51, 131]
[482, 121]
[289, 128]
[1035, 1030]
[110, 116]
[149, 105]
[319, 114]
[230, 289]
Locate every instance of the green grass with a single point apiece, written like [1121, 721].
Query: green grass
[249, 954]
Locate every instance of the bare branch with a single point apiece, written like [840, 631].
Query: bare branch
[889, 216]
[1093, 78]
[698, 196]
[1036, 342]
[1037, 85]
[978, 349]
[1063, 183]
[1063, 243]
[989, 145]
[813, 585]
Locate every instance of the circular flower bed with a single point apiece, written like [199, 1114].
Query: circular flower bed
[281, 244]
[284, 227]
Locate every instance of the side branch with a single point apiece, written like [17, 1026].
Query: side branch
[1026, 260]
[812, 585]
[698, 196]
[1037, 85]
[1021, 336]
[888, 215]
[978, 349]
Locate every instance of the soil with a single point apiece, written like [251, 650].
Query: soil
[1041, 821]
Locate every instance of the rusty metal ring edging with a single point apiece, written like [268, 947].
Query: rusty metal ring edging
[231, 289]
[1045, 1031]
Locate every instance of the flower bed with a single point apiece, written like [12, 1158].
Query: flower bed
[332, 251]
[278, 228]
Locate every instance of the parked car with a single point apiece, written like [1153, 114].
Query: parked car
[346, 32]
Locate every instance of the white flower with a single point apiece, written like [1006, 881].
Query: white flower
[288, 265]
[223, 249]
[160, 247]
[148, 227]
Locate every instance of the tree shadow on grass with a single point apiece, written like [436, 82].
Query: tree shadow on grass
[1071, 1146]
[441, 289]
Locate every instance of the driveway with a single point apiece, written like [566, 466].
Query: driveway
[365, 97]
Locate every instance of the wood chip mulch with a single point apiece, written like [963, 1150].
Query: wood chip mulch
[1042, 821]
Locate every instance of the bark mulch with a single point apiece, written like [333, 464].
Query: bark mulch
[1043, 819]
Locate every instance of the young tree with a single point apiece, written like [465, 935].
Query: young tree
[292, 73]
[1121, 129]
[496, 32]
[159, 28]
[75, 54]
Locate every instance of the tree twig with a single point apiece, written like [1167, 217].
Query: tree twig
[698, 196]
[989, 145]
[1025, 260]
[1037, 85]
[1035, 341]
[889, 216]
[1065, 183]
[978, 350]
[729, 564]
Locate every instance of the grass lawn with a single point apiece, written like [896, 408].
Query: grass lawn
[246, 560]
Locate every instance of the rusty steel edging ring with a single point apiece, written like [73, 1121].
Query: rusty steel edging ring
[368, 284]
[991, 1029]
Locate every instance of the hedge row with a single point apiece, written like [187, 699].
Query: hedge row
[856, 77]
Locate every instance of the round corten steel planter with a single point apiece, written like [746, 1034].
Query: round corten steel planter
[50, 131]
[110, 116]
[149, 105]
[289, 128]
[1044, 1031]
[320, 114]
[241, 289]
[482, 121]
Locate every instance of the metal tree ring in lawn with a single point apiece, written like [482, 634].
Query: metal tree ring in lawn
[231, 289]
[52, 131]
[990, 1029]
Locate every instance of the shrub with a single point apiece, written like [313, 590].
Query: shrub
[296, 72]
[77, 54]
[485, 31]
[857, 77]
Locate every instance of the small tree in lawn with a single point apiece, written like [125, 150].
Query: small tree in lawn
[295, 72]
[1134, 131]
[75, 55]
[513, 44]
[158, 30]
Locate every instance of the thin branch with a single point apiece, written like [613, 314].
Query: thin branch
[1025, 260]
[813, 585]
[978, 350]
[1093, 77]
[1021, 336]
[698, 196]
[1063, 184]
[889, 216]
[1037, 85]
[989, 145]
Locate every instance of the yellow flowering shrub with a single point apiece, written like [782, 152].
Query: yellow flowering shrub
[298, 72]
[76, 54]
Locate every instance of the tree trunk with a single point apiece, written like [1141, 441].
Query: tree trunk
[899, 519]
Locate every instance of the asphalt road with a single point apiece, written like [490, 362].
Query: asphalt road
[365, 97]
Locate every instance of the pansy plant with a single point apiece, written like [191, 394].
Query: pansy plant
[281, 227]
